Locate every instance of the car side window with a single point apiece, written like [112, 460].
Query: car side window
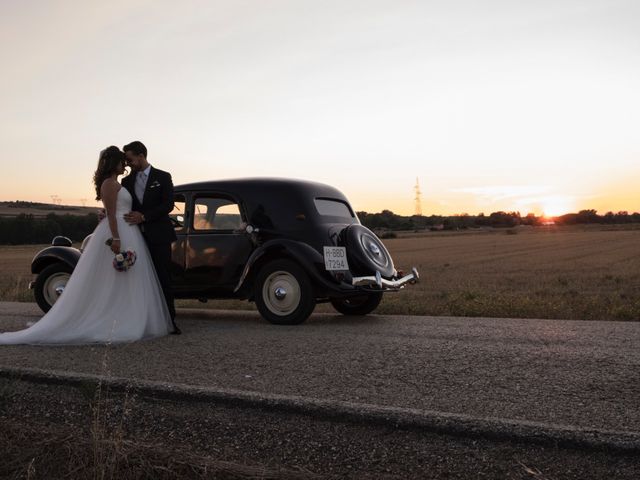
[216, 214]
[177, 215]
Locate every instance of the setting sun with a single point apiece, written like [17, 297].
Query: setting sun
[555, 206]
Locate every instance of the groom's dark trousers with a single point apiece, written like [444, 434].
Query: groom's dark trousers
[157, 228]
[161, 257]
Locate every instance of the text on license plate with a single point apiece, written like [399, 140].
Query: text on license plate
[335, 258]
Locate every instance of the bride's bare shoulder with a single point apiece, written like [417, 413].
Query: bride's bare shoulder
[109, 185]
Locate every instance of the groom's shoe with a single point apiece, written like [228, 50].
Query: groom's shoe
[176, 330]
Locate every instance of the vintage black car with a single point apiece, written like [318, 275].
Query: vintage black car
[284, 244]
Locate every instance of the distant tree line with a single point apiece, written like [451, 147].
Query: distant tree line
[36, 205]
[27, 229]
[387, 220]
[591, 216]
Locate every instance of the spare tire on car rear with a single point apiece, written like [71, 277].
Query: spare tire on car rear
[365, 252]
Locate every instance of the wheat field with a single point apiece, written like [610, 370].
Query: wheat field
[15, 272]
[563, 272]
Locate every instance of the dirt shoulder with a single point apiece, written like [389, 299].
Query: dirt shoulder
[144, 437]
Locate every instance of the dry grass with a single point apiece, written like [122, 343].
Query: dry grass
[564, 272]
[538, 273]
[97, 445]
[15, 272]
[35, 451]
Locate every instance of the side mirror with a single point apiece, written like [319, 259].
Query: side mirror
[177, 221]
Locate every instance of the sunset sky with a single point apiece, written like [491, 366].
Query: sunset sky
[494, 105]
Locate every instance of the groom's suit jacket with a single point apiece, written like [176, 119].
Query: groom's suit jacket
[156, 205]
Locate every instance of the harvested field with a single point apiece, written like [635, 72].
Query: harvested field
[15, 271]
[563, 272]
[559, 272]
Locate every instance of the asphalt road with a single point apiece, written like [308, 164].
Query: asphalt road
[564, 373]
[346, 397]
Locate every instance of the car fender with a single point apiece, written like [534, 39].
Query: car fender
[49, 255]
[306, 256]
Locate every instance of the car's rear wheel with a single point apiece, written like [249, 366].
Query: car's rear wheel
[358, 305]
[283, 293]
[50, 284]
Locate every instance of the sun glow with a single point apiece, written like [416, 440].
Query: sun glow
[557, 205]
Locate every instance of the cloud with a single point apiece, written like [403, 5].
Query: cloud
[525, 198]
[504, 192]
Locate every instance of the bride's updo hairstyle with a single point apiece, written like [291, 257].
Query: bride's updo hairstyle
[108, 164]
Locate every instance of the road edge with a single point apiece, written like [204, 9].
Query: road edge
[491, 428]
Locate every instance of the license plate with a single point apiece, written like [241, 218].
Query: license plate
[335, 258]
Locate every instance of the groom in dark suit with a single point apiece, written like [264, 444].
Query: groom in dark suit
[152, 193]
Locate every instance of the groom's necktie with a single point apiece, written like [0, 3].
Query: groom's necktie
[141, 183]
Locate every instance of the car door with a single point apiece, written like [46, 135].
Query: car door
[179, 218]
[217, 246]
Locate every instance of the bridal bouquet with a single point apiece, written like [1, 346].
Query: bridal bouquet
[123, 261]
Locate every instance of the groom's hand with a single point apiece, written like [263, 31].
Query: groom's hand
[133, 218]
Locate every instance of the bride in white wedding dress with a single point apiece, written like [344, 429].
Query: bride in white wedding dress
[99, 303]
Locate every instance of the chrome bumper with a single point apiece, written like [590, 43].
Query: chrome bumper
[32, 285]
[380, 282]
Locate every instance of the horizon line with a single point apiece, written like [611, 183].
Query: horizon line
[461, 214]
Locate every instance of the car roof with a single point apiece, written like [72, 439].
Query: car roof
[261, 186]
[274, 202]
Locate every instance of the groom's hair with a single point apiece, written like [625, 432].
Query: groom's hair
[136, 147]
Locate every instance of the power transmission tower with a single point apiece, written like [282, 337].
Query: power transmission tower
[54, 199]
[84, 202]
[418, 199]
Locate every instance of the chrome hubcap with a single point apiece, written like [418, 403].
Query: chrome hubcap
[281, 293]
[54, 287]
[374, 251]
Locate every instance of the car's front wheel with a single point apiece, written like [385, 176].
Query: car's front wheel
[284, 293]
[50, 284]
[358, 305]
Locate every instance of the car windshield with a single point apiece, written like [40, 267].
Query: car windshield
[328, 207]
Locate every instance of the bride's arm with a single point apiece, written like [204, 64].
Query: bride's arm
[109, 193]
